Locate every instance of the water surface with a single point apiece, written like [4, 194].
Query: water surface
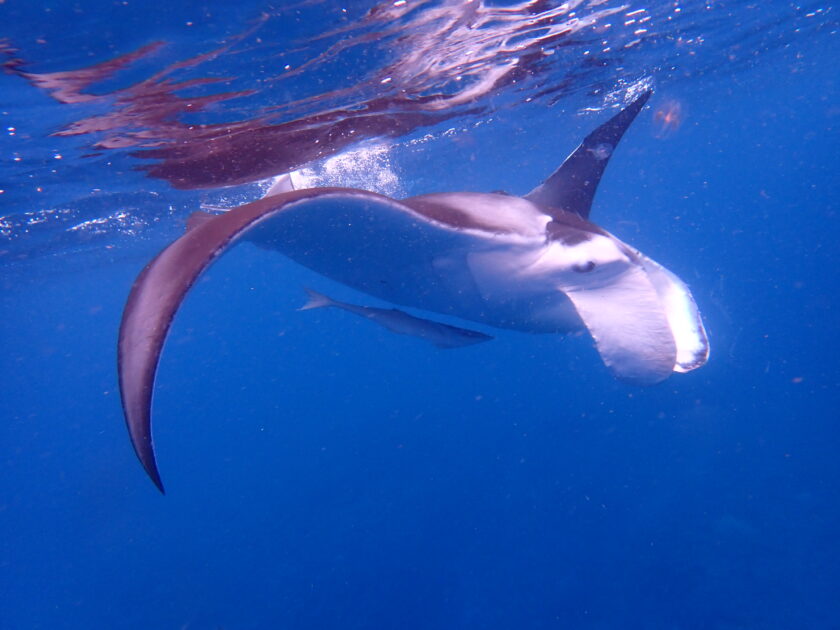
[323, 473]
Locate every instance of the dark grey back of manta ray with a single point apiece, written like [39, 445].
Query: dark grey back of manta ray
[160, 288]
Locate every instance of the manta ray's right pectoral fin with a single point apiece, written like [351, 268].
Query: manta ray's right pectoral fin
[197, 218]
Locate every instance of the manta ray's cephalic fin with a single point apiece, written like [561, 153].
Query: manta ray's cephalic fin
[572, 186]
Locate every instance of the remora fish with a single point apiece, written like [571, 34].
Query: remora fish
[400, 322]
[534, 264]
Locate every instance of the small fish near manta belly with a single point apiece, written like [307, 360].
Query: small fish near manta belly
[395, 320]
[534, 263]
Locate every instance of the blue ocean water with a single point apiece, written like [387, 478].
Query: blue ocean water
[324, 473]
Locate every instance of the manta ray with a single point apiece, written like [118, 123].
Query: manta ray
[534, 264]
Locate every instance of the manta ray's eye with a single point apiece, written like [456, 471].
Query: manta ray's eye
[584, 267]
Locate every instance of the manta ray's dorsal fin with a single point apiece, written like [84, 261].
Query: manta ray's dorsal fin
[282, 184]
[572, 186]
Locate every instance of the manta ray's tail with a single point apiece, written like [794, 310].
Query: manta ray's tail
[316, 300]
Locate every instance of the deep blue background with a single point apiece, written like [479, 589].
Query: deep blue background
[323, 473]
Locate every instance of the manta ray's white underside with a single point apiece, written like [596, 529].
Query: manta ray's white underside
[504, 274]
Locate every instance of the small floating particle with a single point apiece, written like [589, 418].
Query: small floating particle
[667, 118]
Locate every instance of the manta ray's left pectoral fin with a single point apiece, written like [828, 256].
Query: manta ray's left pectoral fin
[630, 327]
[572, 186]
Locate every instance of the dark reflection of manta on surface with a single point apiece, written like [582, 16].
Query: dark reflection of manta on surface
[393, 69]
[446, 59]
[232, 99]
